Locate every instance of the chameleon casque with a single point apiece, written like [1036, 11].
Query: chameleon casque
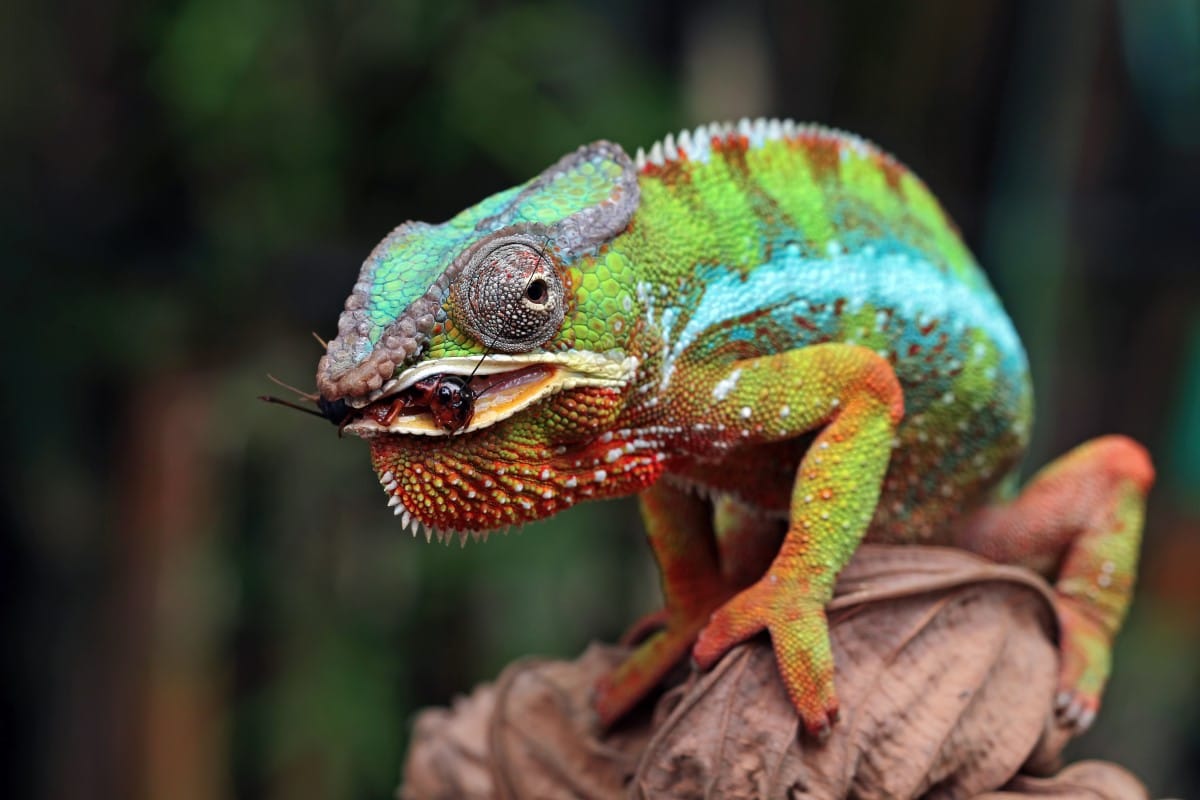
[776, 337]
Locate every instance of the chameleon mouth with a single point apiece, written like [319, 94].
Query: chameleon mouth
[499, 385]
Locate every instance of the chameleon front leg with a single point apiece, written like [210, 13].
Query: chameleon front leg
[853, 396]
[1079, 523]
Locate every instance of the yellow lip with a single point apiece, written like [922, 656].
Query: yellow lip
[514, 382]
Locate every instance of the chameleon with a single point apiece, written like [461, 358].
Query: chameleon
[776, 338]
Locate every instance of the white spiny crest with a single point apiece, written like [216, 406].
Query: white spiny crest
[696, 145]
[656, 154]
[699, 145]
[685, 141]
[745, 128]
[669, 151]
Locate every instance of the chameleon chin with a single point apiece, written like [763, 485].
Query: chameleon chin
[769, 332]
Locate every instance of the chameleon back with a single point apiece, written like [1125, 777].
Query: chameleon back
[773, 237]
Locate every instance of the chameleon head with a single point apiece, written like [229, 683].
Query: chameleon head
[493, 300]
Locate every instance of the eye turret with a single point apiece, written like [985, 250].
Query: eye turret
[509, 296]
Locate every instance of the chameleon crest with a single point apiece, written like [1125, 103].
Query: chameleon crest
[776, 337]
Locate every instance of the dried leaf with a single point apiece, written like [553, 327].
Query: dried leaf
[450, 757]
[1087, 780]
[528, 735]
[945, 670]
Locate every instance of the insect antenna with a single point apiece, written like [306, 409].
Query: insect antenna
[266, 398]
[313, 396]
[336, 412]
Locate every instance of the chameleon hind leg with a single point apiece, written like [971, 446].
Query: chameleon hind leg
[679, 527]
[852, 395]
[1079, 523]
[704, 556]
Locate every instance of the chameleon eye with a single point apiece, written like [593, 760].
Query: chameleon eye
[509, 297]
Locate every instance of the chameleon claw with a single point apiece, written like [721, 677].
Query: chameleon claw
[1085, 719]
[1074, 710]
[821, 732]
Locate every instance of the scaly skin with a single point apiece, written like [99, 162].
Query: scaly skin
[776, 336]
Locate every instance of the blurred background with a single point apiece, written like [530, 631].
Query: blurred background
[206, 597]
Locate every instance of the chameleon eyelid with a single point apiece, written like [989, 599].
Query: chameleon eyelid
[490, 299]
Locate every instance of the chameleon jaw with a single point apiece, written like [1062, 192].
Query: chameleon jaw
[511, 383]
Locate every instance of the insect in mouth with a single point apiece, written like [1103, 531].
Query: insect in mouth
[453, 404]
[449, 399]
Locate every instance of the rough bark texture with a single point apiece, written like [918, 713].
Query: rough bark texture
[946, 669]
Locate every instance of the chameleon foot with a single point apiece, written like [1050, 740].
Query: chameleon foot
[800, 637]
[1087, 505]
[619, 691]
[1085, 652]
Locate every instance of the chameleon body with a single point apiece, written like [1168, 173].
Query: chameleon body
[775, 335]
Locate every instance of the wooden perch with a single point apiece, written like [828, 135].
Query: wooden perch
[946, 669]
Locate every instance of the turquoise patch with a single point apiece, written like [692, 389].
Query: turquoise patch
[402, 271]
